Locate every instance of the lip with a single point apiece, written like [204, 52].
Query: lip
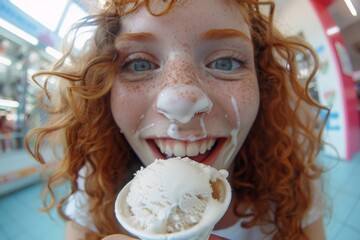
[207, 158]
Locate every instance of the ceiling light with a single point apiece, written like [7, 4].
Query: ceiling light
[9, 103]
[332, 30]
[5, 61]
[351, 7]
[18, 32]
[53, 52]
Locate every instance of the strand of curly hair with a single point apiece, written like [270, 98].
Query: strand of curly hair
[278, 181]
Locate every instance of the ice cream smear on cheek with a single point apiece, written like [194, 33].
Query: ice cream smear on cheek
[181, 103]
[176, 197]
[234, 132]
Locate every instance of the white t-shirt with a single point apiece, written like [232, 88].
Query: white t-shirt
[77, 210]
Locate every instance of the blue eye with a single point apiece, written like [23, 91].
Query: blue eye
[140, 65]
[225, 64]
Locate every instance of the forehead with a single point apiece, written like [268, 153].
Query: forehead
[188, 15]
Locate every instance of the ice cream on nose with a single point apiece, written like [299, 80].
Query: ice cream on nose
[182, 102]
[175, 199]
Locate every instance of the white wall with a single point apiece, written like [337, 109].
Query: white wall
[294, 17]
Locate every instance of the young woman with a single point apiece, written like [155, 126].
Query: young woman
[209, 79]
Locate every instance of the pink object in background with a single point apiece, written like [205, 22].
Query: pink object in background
[350, 106]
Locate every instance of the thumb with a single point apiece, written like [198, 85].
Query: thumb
[118, 237]
[214, 237]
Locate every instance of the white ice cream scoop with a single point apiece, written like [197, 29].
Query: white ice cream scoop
[176, 199]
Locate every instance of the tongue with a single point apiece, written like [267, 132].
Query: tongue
[199, 158]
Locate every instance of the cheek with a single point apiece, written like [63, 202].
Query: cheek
[248, 100]
[240, 100]
[126, 105]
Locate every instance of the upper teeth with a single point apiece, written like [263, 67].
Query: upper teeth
[181, 149]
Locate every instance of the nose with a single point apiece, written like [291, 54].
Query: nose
[182, 102]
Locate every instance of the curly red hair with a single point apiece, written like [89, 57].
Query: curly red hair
[274, 167]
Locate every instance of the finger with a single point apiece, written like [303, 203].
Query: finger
[117, 237]
[214, 237]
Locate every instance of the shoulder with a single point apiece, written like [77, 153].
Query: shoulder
[77, 206]
[315, 231]
[76, 231]
[318, 202]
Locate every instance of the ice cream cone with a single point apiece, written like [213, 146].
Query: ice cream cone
[213, 212]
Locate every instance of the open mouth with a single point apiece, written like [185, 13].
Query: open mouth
[203, 151]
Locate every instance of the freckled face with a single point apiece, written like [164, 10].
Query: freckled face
[187, 84]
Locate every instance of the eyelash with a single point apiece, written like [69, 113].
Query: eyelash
[135, 57]
[243, 62]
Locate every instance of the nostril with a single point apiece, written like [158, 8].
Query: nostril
[182, 102]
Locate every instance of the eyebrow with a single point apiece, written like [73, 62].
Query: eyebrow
[140, 36]
[218, 34]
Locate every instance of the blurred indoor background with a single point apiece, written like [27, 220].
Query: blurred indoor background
[30, 40]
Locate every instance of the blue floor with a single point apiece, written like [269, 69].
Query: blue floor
[342, 185]
[20, 219]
